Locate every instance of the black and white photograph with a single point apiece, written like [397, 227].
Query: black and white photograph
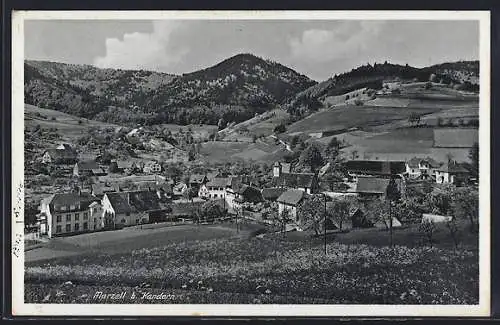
[322, 163]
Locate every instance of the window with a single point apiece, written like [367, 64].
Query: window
[77, 216]
[77, 226]
[58, 228]
[58, 218]
[68, 217]
[85, 216]
[68, 227]
[95, 210]
[85, 226]
[124, 221]
[127, 214]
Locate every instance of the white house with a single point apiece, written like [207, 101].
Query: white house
[421, 167]
[288, 201]
[67, 213]
[451, 173]
[214, 189]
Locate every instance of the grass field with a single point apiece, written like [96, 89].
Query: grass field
[355, 116]
[68, 126]
[207, 264]
[222, 151]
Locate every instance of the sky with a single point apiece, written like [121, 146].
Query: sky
[318, 49]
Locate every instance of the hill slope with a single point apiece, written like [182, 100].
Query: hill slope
[464, 74]
[233, 90]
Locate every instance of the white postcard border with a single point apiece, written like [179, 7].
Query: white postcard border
[20, 308]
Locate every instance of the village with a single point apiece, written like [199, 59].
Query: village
[125, 193]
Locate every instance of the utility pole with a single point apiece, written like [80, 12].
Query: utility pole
[324, 221]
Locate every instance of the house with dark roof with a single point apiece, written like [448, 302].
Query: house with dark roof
[62, 154]
[247, 194]
[196, 180]
[373, 187]
[130, 208]
[422, 167]
[357, 168]
[453, 173]
[69, 213]
[272, 193]
[215, 189]
[284, 177]
[179, 189]
[289, 201]
[123, 166]
[88, 168]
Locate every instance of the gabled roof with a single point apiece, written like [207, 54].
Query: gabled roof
[119, 202]
[272, 193]
[453, 168]
[67, 199]
[87, 165]
[414, 162]
[124, 164]
[219, 182]
[291, 197]
[376, 167]
[295, 180]
[250, 193]
[134, 201]
[197, 179]
[61, 153]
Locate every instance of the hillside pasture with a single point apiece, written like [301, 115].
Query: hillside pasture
[221, 151]
[355, 116]
[68, 126]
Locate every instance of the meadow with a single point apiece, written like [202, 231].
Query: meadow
[274, 269]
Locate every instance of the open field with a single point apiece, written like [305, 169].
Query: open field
[221, 151]
[260, 125]
[355, 116]
[227, 268]
[68, 126]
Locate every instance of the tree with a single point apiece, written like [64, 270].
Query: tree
[211, 210]
[392, 195]
[428, 229]
[191, 153]
[340, 211]
[280, 128]
[414, 118]
[465, 205]
[311, 157]
[474, 158]
[312, 213]
[332, 149]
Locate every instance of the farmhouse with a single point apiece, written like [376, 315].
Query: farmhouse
[130, 208]
[216, 188]
[196, 180]
[375, 168]
[179, 189]
[247, 194]
[288, 201]
[372, 187]
[272, 193]
[452, 173]
[421, 167]
[122, 166]
[62, 154]
[88, 168]
[283, 177]
[68, 213]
